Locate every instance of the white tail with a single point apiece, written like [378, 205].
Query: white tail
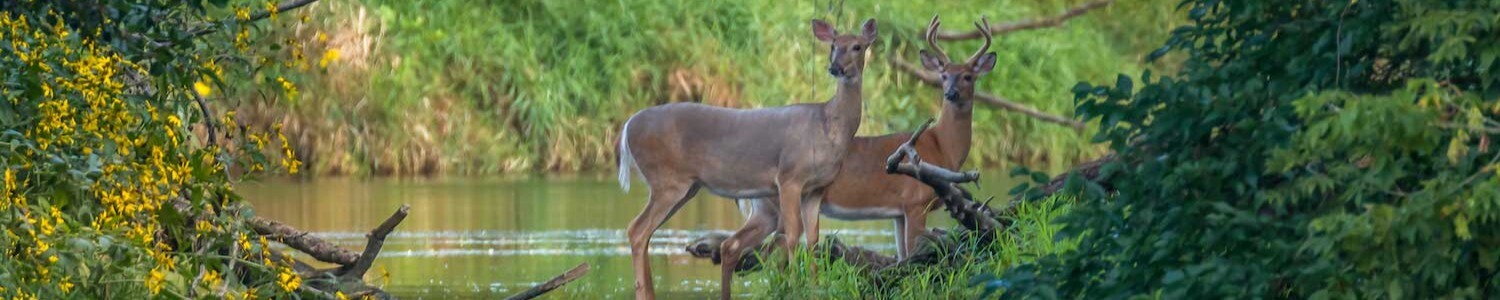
[626, 160]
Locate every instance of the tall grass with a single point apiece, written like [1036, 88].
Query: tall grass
[1033, 235]
[501, 86]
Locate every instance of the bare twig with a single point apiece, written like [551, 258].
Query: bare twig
[553, 284]
[1004, 28]
[1002, 103]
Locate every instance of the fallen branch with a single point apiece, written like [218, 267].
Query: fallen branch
[959, 202]
[1004, 28]
[1086, 171]
[552, 284]
[303, 241]
[708, 246]
[933, 80]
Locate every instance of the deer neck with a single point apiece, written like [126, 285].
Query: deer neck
[954, 132]
[844, 109]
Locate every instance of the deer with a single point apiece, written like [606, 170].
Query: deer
[863, 190]
[789, 153]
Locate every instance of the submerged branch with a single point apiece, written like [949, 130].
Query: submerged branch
[554, 283]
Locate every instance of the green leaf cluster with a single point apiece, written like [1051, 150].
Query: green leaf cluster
[1305, 149]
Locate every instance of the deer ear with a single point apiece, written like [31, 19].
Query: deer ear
[985, 64]
[930, 61]
[868, 30]
[823, 31]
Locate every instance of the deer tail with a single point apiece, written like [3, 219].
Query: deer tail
[626, 160]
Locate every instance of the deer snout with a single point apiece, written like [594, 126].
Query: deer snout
[835, 70]
[950, 95]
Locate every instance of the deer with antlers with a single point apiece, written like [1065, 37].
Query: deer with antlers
[863, 190]
[789, 153]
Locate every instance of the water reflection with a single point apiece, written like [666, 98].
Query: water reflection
[487, 238]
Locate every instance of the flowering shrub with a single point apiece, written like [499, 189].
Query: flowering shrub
[117, 176]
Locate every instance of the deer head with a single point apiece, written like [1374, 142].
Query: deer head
[847, 58]
[958, 78]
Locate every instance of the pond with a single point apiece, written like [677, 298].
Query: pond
[490, 238]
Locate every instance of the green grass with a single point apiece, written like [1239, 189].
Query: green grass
[497, 87]
[1033, 235]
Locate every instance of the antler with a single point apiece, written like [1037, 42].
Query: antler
[932, 39]
[984, 29]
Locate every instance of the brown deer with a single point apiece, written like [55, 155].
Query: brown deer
[863, 190]
[790, 152]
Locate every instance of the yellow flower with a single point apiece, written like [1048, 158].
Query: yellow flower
[154, 280]
[289, 280]
[212, 278]
[65, 285]
[340, 295]
[204, 226]
[202, 88]
[322, 37]
[328, 56]
[291, 89]
[242, 13]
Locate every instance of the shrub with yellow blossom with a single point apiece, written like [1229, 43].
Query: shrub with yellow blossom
[117, 175]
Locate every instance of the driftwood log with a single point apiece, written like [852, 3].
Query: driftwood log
[348, 276]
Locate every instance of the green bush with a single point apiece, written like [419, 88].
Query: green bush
[1331, 149]
[112, 186]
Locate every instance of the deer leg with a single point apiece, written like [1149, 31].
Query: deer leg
[791, 217]
[901, 250]
[810, 212]
[761, 222]
[665, 200]
[916, 225]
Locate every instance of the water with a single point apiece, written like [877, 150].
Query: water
[490, 238]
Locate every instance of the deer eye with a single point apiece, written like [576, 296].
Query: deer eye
[856, 47]
[945, 76]
[968, 77]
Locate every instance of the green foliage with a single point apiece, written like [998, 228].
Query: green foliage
[108, 190]
[1304, 150]
[480, 88]
[1033, 235]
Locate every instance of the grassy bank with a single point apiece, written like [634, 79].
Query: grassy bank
[1033, 235]
[515, 86]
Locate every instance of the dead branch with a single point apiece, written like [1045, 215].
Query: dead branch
[552, 284]
[960, 203]
[933, 80]
[302, 241]
[376, 241]
[1048, 22]
[708, 246]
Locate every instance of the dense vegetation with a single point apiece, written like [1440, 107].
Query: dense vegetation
[1033, 235]
[514, 86]
[1326, 149]
[113, 188]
